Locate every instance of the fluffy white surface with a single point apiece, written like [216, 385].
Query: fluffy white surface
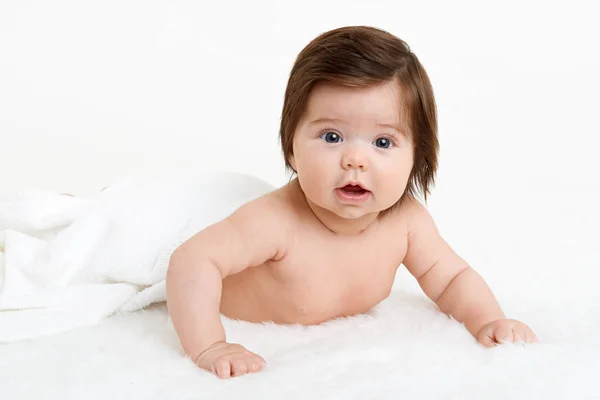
[402, 348]
[538, 253]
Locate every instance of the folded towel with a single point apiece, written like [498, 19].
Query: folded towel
[69, 262]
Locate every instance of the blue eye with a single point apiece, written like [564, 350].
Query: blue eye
[383, 143]
[331, 137]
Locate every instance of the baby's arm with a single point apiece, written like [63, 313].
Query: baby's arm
[456, 288]
[251, 236]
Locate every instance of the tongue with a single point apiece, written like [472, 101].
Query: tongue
[353, 189]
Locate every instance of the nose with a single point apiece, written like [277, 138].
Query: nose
[354, 158]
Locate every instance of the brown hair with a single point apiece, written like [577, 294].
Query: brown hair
[361, 56]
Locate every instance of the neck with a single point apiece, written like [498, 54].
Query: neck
[337, 224]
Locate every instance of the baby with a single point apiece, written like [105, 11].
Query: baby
[359, 129]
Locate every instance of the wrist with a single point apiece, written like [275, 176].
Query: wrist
[474, 325]
[207, 349]
[473, 320]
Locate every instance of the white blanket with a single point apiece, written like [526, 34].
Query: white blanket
[67, 262]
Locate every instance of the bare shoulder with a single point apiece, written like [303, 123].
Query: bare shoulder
[422, 237]
[412, 208]
[253, 234]
[269, 213]
[407, 214]
[420, 224]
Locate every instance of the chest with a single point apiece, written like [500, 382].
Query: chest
[331, 276]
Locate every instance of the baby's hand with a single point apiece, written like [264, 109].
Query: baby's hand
[229, 360]
[505, 330]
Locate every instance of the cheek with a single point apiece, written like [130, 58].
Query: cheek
[315, 171]
[398, 172]
[315, 160]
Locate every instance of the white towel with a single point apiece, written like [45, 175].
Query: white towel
[69, 262]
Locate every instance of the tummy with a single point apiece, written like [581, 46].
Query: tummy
[266, 293]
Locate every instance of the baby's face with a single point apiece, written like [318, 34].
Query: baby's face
[352, 136]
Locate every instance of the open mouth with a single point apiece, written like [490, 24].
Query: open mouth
[353, 194]
[353, 189]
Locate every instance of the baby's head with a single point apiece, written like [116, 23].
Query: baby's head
[359, 109]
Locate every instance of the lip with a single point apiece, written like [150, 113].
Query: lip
[354, 183]
[355, 198]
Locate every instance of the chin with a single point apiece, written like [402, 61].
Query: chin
[352, 213]
[341, 212]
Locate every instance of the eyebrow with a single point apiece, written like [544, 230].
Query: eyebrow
[329, 120]
[324, 120]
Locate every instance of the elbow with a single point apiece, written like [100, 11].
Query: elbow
[179, 263]
[453, 280]
[173, 266]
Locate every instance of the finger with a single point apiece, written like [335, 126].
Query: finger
[486, 341]
[486, 338]
[518, 335]
[503, 334]
[222, 368]
[531, 338]
[255, 358]
[253, 366]
[261, 361]
[256, 363]
[239, 367]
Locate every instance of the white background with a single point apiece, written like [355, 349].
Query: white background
[92, 92]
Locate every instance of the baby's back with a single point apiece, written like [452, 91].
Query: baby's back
[321, 275]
